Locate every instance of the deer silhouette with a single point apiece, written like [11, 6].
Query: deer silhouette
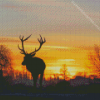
[34, 64]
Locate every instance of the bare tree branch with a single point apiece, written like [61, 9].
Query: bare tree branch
[95, 59]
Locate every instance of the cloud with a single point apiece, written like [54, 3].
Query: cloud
[67, 60]
[9, 6]
[44, 0]
[16, 7]
[62, 47]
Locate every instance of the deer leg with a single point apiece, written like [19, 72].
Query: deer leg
[35, 79]
[41, 77]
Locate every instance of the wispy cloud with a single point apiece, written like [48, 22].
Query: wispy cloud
[67, 60]
[16, 7]
[9, 6]
[62, 47]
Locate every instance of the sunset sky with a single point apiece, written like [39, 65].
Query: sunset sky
[70, 27]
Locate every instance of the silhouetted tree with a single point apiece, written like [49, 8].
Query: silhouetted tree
[79, 74]
[5, 58]
[5, 65]
[64, 70]
[94, 59]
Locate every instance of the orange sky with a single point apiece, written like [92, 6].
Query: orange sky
[75, 58]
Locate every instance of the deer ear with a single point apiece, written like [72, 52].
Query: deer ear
[33, 54]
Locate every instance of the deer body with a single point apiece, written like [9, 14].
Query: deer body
[34, 64]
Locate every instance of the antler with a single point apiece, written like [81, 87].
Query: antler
[41, 41]
[22, 40]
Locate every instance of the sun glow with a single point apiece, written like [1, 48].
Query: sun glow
[73, 71]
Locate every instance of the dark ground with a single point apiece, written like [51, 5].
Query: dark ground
[49, 96]
[61, 91]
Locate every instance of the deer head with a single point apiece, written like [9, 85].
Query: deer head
[28, 56]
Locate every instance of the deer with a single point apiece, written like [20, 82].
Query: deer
[33, 64]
